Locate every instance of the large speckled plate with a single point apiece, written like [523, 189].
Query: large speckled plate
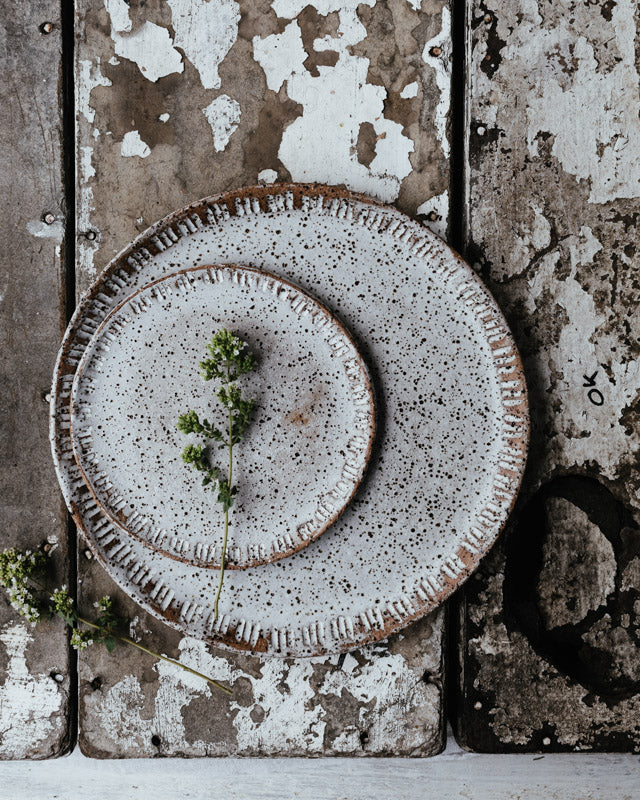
[309, 441]
[452, 422]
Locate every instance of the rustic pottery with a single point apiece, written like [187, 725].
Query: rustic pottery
[313, 426]
[451, 417]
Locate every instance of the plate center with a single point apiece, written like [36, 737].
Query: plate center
[307, 446]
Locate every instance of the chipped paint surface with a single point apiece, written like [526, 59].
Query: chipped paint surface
[437, 54]
[223, 114]
[436, 213]
[279, 707]
[554, 188]
[29, 702]
[594, 117]
[394, 150]
[321, 144]
[88, 77]
[206, 31]
[42, 230]
[409, 91]
[35, 719]
[268, 176]
[132, 145]
[150, 46]
[152, 50]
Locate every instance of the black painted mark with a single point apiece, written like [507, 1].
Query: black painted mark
[594, 395]
[594, 665]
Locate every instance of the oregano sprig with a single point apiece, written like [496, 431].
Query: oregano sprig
[24, 575]
[228, 359]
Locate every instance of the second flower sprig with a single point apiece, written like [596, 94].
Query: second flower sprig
[228, 359]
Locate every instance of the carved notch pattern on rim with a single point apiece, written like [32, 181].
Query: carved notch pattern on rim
[329, 503]
[391, 613]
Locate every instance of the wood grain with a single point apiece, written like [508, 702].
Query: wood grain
[550, 625]
[34, 662]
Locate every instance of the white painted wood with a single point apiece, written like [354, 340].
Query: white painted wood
[453, 774]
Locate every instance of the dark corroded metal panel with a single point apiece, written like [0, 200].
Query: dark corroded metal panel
[34, 663]
[550, 626]
[186, 98]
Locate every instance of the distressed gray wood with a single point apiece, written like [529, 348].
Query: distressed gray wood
[549, 642]
[337, 92]
[34, 706]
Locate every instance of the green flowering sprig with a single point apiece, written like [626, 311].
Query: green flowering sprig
[228, 359]
[24, 576]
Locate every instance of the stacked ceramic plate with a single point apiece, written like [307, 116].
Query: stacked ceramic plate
[387, 444]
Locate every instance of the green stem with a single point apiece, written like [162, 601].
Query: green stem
[126, 640]
[226, 513]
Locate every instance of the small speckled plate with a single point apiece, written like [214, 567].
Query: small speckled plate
[451, 421]
[308, 445]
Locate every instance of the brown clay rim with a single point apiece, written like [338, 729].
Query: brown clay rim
[328, 315]
[66, 365]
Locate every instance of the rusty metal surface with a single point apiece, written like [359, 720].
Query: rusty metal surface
[34, 662]
[550, 626]
[119, 195]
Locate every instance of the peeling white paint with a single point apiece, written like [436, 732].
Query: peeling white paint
[291, 715]
[533, 236]
[223, 114]
[118, 10]
[409, 91]
[268, 176]
[85, 248]
[29, 704]
[415, 4]
[37, 227]
[288, 9]
[279, 55]
[321, 144]
[592, 112]
[122, 720]
[436, 209]
[441, 65]
[88, 76]
[206, 30]
[150, 46]
[582, 349]
[389, 690]
[132, 145]
[164, 117]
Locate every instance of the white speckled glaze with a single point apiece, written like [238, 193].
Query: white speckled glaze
[452, 421]
[308, 445]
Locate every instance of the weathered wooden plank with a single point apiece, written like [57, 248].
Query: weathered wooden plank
[186, 98]
[34, 706]
[550, 625]
[448, 776]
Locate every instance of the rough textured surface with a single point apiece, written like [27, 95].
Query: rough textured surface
[282, 90]
[313, 427]
[385, 699]
[550, 626]
[34, 709]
